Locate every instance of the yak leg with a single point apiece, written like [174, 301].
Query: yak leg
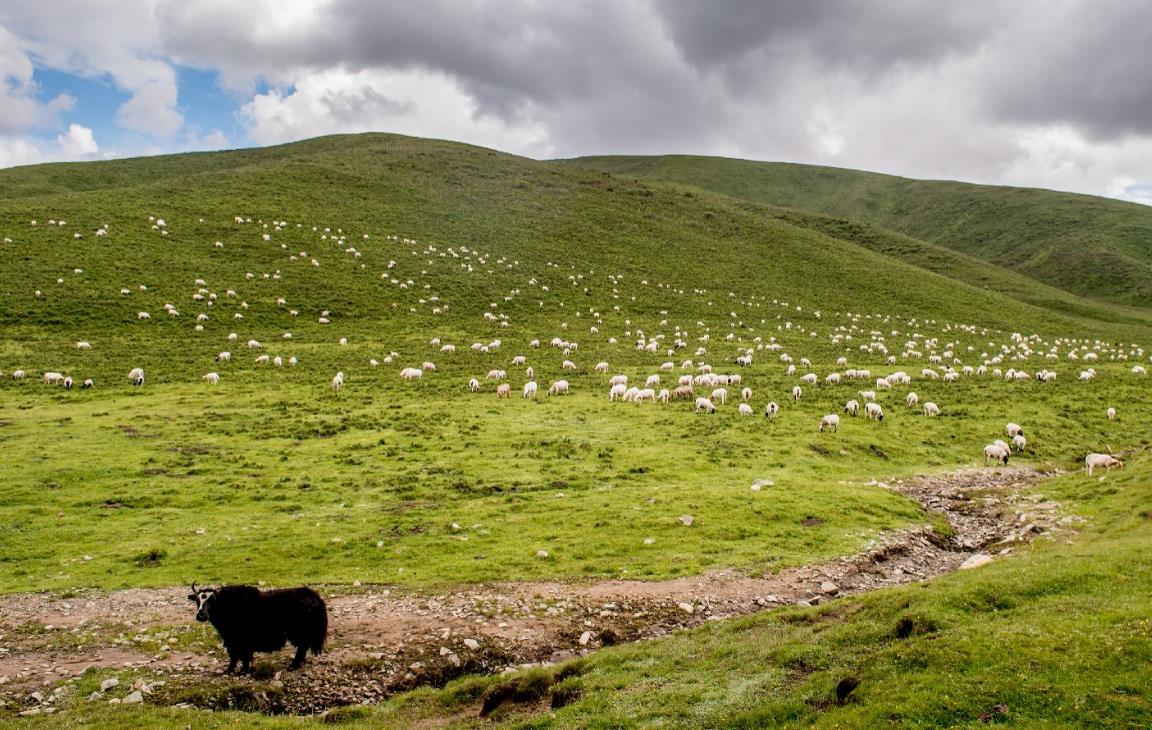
[298, 660]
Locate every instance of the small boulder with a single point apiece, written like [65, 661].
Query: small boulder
[976, 561]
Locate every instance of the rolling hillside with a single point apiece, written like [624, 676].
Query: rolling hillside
[1094, 247]
[447, 524]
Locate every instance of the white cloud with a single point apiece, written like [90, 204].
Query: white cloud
[77, 142]
[152, 110]
[415, 102]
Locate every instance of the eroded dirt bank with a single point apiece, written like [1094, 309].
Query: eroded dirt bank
[383, 641]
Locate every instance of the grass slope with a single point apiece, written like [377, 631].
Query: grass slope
[273, 476]
[1094, 247]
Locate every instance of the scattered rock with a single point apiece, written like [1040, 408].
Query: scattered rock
[585, 638]
[109, 683]
[472, 644]
[135, 698]
[829, 588]
[541, 553]
[976, 561]
[686, 607]
[687, 520]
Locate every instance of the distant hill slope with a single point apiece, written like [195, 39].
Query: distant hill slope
[531, 219]
[1094, 247]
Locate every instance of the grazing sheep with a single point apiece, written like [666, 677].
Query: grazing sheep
[617, 391]
[338, 381]
[474, 385]
[644, 394]
[744, 409]
[746, 394]
[832, 379]
[796, 392]
[873, 410]
[663, 396]
[212, 378]
[143, 315]
[1111, 413]
[931, 409]
[52, 378]
[530, 389]
[830, 422]
[771, 410]
[703, 404]
[560, 387]
[136, 375]
[867, 395]
[1019, 442]
[1013, 428]
[529, 372]
[411, 374]
[17, 374]
[720, 394]
[996, 452]
[292, 361]
[224, 357]
[83, 345]
[601, 367]
[651, 381]
[568, 365]
[262, 360]
[912, 399]
[253, 344]
[683, 391]
[496, 375]
[1107, 461]
[68, 383]
[429, 366]
[503, 390]
[808, 379]
[87, 384]
[852, 407]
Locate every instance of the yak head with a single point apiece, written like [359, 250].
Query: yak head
[202, 597]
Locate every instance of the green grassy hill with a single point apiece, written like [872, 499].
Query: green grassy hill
[365, 254]
[1094, 247]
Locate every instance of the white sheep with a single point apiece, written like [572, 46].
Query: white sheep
[616, 392]
[852, 407]
[143, 315]
[278, 361]
[561, 387]
[996, 452]
[797, 392]
[931, 409]
[262, 360]
[496, 375]
[474, 385]
[338, 381]
[651, 381]
[703, 404]
[411, 374]
[744, 409]
[830, 422]
[873, 410]
[1092, 461]
[530, 389]
[503, 390]
[68, 383]
[136, 375]
[1013, 428]
[746, 394]
[1019, 442]
[83, 345]
[87, 383]
[1111, 413]
[428, 366]
[292, 361]
[808, 379]
[644, 394]
[52, 378]
[224, 356]
[568, 365]
[254, 344]
[212, 378]
[912, 399]
[720, 394]
[664, 396]
[17, 374]
[771, 409]
[867, 395]
[601, 367]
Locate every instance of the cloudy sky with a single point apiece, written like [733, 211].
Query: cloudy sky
[1049, 93]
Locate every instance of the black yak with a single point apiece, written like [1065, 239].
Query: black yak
[251, 620]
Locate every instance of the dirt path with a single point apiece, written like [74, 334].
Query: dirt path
[383, 641]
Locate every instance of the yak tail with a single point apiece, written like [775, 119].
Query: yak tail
[321, 631]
